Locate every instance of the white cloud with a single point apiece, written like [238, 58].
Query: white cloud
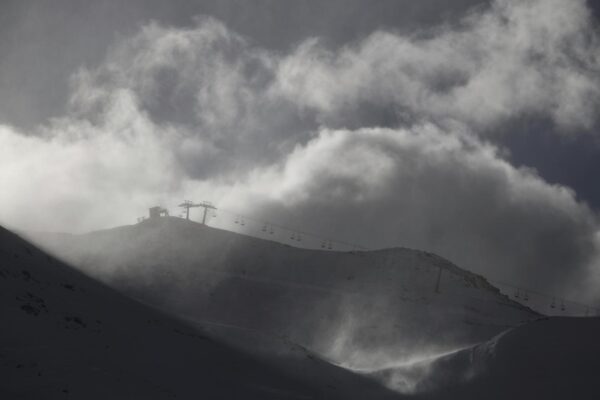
[535, 56]
[77, 175]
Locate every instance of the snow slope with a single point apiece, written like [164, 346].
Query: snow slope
[66, 336]
[555, 358]
[358, 309]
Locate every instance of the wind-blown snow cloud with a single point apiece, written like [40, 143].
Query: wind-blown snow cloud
[384, 139]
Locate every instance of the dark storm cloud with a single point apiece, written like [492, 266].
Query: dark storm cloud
[207, 113]
[42, 42]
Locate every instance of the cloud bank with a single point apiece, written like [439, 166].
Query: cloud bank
[386, 141]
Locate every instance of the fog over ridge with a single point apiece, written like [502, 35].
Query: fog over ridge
[385, 139]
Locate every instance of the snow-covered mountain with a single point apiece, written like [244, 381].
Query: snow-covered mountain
[66, 336]
[362, 310]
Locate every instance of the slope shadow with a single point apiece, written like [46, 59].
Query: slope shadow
[68, 336]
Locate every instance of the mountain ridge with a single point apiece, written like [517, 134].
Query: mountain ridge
[352, 307]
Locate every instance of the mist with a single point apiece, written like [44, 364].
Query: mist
[395, 129]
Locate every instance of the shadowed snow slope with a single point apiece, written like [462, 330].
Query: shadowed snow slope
[362, 310]
[65, 336]
[555, 358]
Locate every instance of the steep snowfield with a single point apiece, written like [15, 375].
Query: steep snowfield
[65, 336]
[362, 310]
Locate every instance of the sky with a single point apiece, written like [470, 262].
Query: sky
[466, 128]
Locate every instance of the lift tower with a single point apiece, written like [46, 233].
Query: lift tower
[187, 204]
[206, 205]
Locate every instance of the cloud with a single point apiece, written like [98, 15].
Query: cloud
[447, 192]
[382, 141]
[536, 56]
[79, 175]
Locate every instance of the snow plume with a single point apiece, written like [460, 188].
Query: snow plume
[401, 349]
[420, 372]
[382, 141]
